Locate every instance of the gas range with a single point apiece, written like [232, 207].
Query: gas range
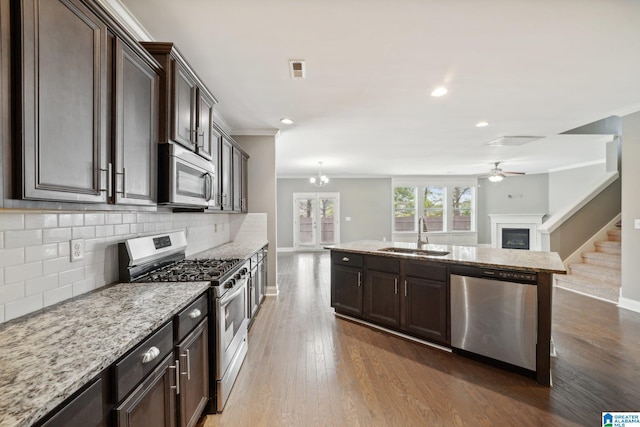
[191, 270]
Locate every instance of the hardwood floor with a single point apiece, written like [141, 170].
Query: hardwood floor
[306, 367]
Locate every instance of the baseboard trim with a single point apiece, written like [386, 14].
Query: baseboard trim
[629, 304]
[272, 291]
[585, 294]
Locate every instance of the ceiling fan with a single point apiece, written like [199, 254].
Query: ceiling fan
[497, 174]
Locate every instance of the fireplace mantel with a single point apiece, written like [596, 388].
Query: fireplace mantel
[530, 221]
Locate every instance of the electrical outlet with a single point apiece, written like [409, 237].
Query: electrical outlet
[215, 228]
[636, 223]
[77, 249]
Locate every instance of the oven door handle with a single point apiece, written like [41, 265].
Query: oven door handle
[226, 298]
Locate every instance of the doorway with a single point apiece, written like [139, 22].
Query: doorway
[316, 220]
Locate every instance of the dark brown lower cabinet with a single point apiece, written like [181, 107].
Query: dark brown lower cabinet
[85, 410]
[381, 298]
[194, 375]
[426, 308]
[152, 404]
[346, 290]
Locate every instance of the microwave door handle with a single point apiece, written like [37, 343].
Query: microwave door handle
[208, 185]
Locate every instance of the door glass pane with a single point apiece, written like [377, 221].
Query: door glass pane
[434, 208]
[327, 220]
[462, 199]
[305, 222]
[404, 208]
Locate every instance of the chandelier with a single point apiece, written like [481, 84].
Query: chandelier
[320, 180]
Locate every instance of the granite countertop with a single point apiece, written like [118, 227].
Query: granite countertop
[241, 249]
[535, 261]
[47, 356]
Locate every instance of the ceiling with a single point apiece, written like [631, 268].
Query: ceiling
[364, 109]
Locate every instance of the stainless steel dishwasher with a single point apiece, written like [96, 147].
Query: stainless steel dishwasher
[494, 314]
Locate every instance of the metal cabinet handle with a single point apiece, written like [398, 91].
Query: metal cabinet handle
[345, 259]
[405, 288]
[395, 281]
[177, 377]
[150, 354]
[109, 171]
[359, 279]
[195, 313]
[188, 365]
[124, 183]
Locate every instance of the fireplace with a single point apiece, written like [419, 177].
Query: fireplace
[515, 238]
[527, 222]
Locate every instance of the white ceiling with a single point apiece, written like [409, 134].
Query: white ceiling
[529, 67]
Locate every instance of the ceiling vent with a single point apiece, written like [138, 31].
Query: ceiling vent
[297, 69]
[513, 141]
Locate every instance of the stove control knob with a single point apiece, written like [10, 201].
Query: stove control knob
[229, 284]
[237, 276]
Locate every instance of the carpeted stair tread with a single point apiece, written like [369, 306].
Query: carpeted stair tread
[589, 286]
[609, 247]
[601, 258]
[614, 235]
[599, 272]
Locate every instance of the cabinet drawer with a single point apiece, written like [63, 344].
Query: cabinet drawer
[426, 271]
[188, 318]
[346, 259]
[388, 265]
[83, 411]
[132, 368]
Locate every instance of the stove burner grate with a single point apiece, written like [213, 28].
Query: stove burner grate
[188, 270]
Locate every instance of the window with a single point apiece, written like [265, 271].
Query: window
[434, 203]
[404, 208]
[448, 206]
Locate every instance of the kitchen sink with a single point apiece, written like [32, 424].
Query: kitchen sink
[419, 252]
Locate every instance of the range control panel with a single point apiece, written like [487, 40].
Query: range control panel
[509, 275]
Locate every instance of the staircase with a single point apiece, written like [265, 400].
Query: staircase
[599, 273]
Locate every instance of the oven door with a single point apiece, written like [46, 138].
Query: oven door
[231, 323]
[186, 179]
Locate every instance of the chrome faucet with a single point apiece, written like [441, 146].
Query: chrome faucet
[422, 226]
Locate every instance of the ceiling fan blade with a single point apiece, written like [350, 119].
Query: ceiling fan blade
[513, 173]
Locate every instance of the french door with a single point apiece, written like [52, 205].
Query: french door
[316, 220]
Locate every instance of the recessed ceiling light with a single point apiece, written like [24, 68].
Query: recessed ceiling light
[286, 121]
[439, 91]
[482, 124]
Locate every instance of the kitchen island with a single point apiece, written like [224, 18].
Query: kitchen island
[406, 290]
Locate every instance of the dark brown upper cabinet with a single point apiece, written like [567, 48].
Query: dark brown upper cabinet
[74, 139]
[226, 174]
[186, 105]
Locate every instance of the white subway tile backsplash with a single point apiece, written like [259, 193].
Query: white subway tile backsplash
[41, 284]
[11, 221]
[40, 221]
[21, 238]
[104, 230]
[84, 232]
[10, 257]
[22, 272]
[84, 286]
[58, 294]
[56, 235]
[12, 292]
[56, 265]
[114, 218]
[121, 229]
[70, 220]
[21, 307]
[35, 269]
[71, 276]
[94, 219]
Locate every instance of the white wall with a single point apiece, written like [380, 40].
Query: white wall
[566, 186]
[630, 296]
[35, 268]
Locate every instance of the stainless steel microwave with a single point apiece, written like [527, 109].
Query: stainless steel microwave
[185, 178]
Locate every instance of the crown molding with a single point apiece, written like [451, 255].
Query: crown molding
[126, 19]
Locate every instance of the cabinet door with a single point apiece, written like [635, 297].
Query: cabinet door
[183, 111]
[216, 144]
[205, 144]
[346, 290]
[237, 180]
[254, 282]
[426, 308]
[381, 298]
[226, 159]
[63, 102]
[194, 375]
[244, 199]
[136, 142]
[152, 404]
[85, 410]
[262, 274]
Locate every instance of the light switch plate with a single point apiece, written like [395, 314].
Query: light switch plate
[77, 250]
[636, 223]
